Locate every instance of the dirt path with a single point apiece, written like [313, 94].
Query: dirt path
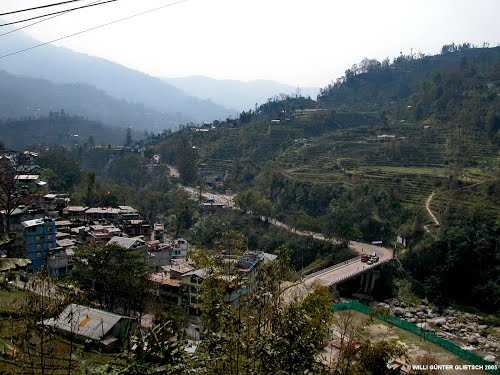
[429, 211]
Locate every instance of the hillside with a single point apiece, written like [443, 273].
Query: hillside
[366, 129]
[58, 129]
[238, 95]
[30, 97]
[64, 66]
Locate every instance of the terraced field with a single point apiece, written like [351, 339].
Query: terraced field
[412, 161]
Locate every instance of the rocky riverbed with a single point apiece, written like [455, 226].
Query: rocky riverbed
[465, 329]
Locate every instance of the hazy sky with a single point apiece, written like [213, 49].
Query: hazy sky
[308, 42]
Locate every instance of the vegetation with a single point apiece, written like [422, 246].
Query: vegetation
[362, 161]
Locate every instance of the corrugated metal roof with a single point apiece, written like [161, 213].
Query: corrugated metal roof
[85, 321]
[125, 242]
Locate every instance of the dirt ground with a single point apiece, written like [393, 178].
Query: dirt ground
[417, 347]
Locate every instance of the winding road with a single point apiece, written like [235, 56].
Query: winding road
[327, 276]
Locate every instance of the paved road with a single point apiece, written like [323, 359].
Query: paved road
[351, 268]
[225, 199]
[328, 276]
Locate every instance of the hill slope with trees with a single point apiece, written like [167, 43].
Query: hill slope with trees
[364, 159]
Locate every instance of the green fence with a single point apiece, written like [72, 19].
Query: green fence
[467, 356]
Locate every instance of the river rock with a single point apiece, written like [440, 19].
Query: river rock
[473, 340]
[398, 311]
[438, 321]
[490, 358]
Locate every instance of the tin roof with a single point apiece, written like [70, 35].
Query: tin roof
[125, 242]
[85, 321]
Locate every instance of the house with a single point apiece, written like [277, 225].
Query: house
[9, 266]
[75, 212]
[166, 288]
[191, 289]
[103, 213]
[133, 243]
[158, 233]
[20, 214]
[100, 233]
[179, 248]
[40, 239]
[101, 327]
[157, 254]
[60, 260]
[63, 225]
[249, 264]
[55, 201]
[135, 227]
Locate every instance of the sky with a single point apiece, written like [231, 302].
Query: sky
[303, 43]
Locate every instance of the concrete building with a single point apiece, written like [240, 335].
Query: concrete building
[40, 240]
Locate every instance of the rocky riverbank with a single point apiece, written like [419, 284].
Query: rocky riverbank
[465, 329]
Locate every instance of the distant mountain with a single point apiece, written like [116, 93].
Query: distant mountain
[238, 95]
[62, 65]
[29, 97]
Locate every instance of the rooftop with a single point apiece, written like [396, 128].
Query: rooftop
[35, 222]
[126, 242]
[85, 321]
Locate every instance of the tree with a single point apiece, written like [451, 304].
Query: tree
[160, 350]
[374, 357]
[40, 351]
[128, 138]
[125, 283]
[62, 168]
[128, 169]
[90, 194]
[342, 221]
[186, 161]
[12, 192]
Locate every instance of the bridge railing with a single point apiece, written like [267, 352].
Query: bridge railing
[335, 266]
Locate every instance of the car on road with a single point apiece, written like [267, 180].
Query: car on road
[364, 258]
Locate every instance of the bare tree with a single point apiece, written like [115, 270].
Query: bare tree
[12, 192]
[347, 332]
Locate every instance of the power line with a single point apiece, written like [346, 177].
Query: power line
[37, 22]
[92, 29]
[39, 7]
[59, 12]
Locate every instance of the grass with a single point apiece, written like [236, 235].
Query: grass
[11, 301]
[13, 330]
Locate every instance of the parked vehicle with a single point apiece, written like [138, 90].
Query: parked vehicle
[364, 258]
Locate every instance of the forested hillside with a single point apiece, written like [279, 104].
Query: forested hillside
[58, 128]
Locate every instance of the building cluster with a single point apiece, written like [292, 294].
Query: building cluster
[45, 230]
[180, 282]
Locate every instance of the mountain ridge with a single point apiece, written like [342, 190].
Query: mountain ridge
[237, 94]
[62, 65]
